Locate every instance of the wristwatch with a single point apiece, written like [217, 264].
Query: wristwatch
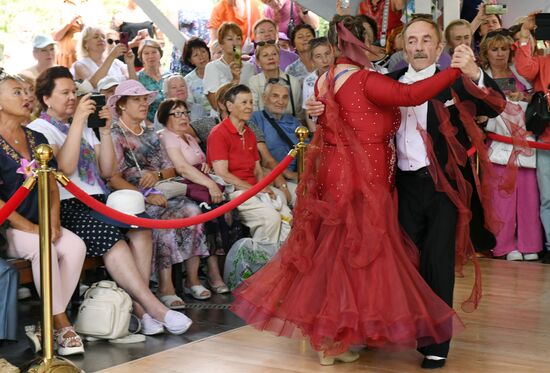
[159, 174]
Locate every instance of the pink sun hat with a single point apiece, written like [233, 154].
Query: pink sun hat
[129, 87]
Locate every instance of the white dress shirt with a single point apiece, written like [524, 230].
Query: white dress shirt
[411, 151]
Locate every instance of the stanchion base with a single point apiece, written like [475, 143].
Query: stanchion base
[56, 365]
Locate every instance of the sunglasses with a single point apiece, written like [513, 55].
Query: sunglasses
[262, 43]
[179, 114]
[502, 31]
[113, 41]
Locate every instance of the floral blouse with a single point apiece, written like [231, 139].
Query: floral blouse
[152, 85]
[144, 149]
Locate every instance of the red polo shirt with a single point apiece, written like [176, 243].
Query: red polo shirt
[226, 144]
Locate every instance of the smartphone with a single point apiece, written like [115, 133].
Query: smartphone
[498, 9]
[124, 38]
[542, 32]
[345, 4]
[94, 121]
[237, 52]
[506, 85]
[144, 33]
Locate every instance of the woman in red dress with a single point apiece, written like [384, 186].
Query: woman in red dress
[347, 273]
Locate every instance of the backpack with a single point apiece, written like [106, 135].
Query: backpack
[105, 312]
[245, 258]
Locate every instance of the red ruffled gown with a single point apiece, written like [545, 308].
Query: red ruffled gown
[347, 273]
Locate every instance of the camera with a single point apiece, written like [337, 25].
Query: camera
[237, 52]
[345, 4]
[94, 121]
[498, 9]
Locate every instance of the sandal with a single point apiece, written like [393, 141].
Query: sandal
[34, 336]
[197, 291]
[220, 289]
[68, 345]
[169, 300]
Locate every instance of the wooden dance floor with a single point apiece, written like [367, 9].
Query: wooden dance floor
[510, 332]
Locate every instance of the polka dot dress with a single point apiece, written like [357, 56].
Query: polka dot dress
[98, 236]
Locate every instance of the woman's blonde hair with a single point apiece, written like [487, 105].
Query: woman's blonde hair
[489, 41]
[86, 35]
[262, 47]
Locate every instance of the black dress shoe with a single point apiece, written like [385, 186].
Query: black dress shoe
[546, 257]
[432, 364]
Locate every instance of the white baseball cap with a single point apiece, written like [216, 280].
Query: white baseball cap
[42, 41]
[106, 83]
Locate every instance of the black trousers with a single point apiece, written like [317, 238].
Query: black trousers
[429, 218]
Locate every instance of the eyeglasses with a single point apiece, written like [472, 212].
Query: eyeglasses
[179, 114]
[422, 16]
[502, 31]
[262, 43]
[113, 41]
[277, 81]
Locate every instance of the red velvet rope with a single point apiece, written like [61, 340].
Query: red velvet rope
[508, 140]
[178, 223]
[13, 203]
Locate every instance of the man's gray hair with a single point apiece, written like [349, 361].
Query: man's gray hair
[272, 82]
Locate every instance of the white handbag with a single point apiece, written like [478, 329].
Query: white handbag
[105, 312]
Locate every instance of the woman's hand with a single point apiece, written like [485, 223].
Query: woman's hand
[464, 59]
[134, 43]
[84, 109]
[314, 107]
[129, 57]
[156, 199]
[106, 114]
[29, 228]
[205, 168]
[149, 179]
[235, 70]
[118, 51]
[216, 194]
[269, 192]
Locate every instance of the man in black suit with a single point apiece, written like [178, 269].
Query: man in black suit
[427, 215]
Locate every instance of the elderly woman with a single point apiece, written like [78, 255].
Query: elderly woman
[267, 57]
[85, 160]
[68, 251]
[196, 54]
[150, 53]
[93, 59]
[141, 164]
[233, 153]
[520, 237]
[190, 162]
[300, 38]
[175, 87]
[227, 69]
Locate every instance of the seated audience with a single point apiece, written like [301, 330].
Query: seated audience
[92, 58]
[190, 162]
[520, 237]
[43, 51]
[85, 159]
[278, 127]
[68, 250]
[175, 87]
[233, 154]
[226, 69]
[152, 78]
[196, 54]
[265, 31]
[267, 56]
[300, 37]
[537, 70]
[140, 164]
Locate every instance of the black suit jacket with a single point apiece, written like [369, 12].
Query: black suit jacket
[481, 237]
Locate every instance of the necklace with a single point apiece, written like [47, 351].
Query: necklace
[129, 129]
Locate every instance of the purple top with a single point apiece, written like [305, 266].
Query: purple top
[285, 59]
[284, 16]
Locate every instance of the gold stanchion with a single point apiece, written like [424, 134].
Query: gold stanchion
[48, 362]
[302, 133]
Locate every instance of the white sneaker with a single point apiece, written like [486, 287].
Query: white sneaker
[531, 256]
[514, 256]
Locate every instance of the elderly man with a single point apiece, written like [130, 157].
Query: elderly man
[278, 133]
[426, 213]
[265, 31]
[43, 50]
